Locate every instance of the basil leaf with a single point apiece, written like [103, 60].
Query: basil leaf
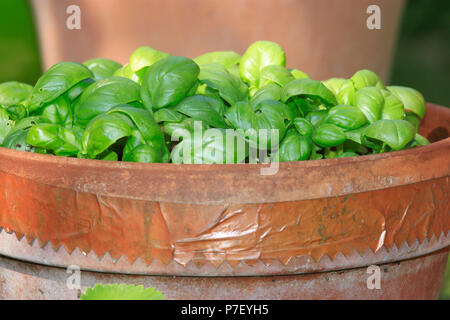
[412, 99]
[214, 146]
[413, 119]
[16, 112]
[392, 108]
[328, 135]
[346, 117]
[228, 59]
[303, 126]
[147, 126]
[268, 92]
[295, 148]
[144, 57]
[269, 118]
[59, 111]
[342, 89]
[13, 92]
[57, 80]
[356, 135]
[394, 133]
[102, 68]
[167, 114]
[136, 150]
[16, 140]
[308, 88]
[79, 88]
[366, 78]
[297, 74]
[420, 140]
[185, 125]
[275, 74]
[62, 141]
[126, 72]
[206, 109]
[168, 81]
[230, 88]
[5, 124]
[348, 154]
[370, 101]
[317, 117]
[104, 95]
[105, 130]
[259, 55]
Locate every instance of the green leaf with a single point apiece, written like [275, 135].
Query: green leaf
[145, 57]
[104, 95]
[102, 68]
[121, 122]
[356, 135]
[370, 101]
[168, 81]
[148, 128]
[394, 133]
[268, 92]
[13, 92]
[105, 130]
[227, 59]
[420, 140]
[214, 146]
[275, 74]
[136, 150]
[308, 88]
[62, 141]
[58, 111]
[303, 126]
[413, 119]
[167, 114]
[393, 107]
[366, 78]
[348, 154]
[259, 55]
[329, 135]
[57, 80]
[412, 99]
[270, 118]
[206, 109]
[317, 117]
[5, 124]
[230, 88]
[297, 74]
[121, 292]
[295, 148]
[16, 140]
[74, 92]
[126, 72]
[346, 117]
[185, 125]
[16, 112]
[343, 90]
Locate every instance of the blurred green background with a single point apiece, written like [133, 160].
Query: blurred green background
[421, 61]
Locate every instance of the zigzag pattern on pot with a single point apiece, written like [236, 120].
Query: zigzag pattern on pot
[16, 247]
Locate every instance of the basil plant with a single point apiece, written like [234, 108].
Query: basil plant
[221, 107]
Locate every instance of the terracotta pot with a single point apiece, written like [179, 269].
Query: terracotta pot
[157, 221]
[325, 38]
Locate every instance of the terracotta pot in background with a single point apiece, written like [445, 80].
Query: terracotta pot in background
[324, 38]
